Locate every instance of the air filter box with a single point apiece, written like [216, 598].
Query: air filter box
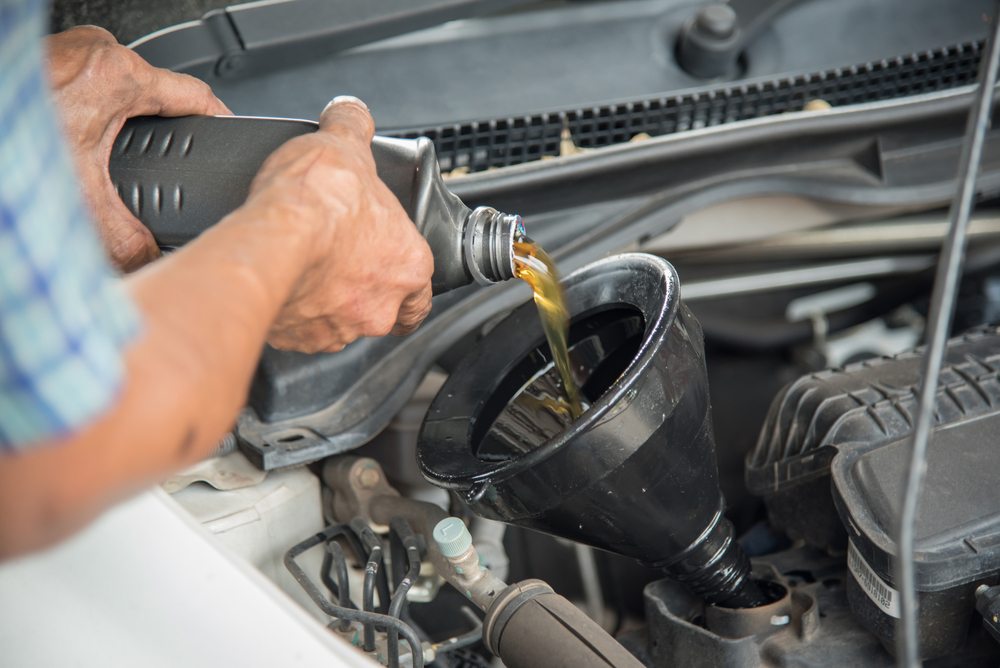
[957, 533]
[871, 403]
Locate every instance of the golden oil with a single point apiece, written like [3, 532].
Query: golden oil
[535, 267]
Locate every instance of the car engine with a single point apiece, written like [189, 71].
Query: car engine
[747, 201]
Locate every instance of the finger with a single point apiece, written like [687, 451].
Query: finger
[88, 33]
[308, 342]
[406, 327]
[413, 311]
[131, 247]
[348, 114]
[129, 243]
[172, 94]
[320, 335]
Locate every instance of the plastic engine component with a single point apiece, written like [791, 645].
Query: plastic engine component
[957, 532]
[812, 625]
[870, 402]
[636, 473]
[809, 625]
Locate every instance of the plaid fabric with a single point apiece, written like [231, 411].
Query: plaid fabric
[64, 318]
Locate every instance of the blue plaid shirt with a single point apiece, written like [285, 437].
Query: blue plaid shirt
[64, 317]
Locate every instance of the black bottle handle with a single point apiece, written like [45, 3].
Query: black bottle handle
[181, 175]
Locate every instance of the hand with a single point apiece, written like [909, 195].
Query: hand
[98, 84]
[370, 270]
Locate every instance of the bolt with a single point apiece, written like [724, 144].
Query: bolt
[230, 64]
[717, 21]
[369, 477]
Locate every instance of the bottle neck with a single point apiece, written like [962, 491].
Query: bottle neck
[489, 238]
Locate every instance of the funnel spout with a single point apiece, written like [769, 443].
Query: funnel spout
[718, 570]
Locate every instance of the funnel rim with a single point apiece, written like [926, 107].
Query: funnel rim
[658, 323]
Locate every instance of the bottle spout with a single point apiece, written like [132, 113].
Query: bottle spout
[469, 246]
[489, 244]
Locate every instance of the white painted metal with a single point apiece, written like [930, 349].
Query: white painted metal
[146, 585]
[260, 522]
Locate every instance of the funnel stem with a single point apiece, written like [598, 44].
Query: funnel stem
[718, 569]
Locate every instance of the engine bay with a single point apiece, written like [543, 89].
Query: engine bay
[747, 215]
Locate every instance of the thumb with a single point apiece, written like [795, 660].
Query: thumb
[348, 115]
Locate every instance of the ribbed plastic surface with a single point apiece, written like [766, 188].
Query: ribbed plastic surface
[870, 402]
[501, 142]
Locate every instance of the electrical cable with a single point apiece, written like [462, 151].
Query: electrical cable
[941, 313]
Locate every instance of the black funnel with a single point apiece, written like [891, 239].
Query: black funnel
[636, 474]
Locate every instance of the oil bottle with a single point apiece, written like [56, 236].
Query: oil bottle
[179, 176]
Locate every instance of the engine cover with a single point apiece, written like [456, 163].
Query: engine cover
[957, 545]
[830, 463]
[870, 402]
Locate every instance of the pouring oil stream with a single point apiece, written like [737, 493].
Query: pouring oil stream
[534, 266]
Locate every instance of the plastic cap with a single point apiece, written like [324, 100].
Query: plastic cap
[452, 537]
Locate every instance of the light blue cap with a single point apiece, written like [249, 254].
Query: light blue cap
[452, 537]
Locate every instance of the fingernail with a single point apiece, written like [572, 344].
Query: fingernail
[348, 99]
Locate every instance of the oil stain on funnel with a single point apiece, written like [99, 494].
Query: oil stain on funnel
[636, 474]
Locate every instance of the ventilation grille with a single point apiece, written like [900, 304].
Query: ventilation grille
[502, 142]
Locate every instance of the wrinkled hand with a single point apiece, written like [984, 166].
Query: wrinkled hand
[98, 84]
[370, 270]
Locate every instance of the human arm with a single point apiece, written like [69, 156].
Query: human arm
[319, 255]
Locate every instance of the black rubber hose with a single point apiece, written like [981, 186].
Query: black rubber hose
[529, 625]
[409, 540]
[368, 595]
[325, 571]
[421, 515]
[334, 558]
[336, 611]
[339, 561]
[371, 541]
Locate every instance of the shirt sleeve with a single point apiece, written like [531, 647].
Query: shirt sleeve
[64, 316]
